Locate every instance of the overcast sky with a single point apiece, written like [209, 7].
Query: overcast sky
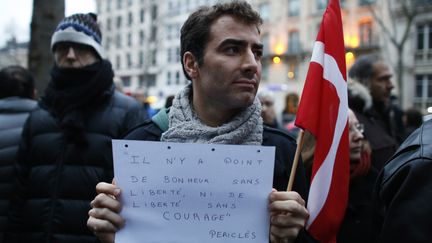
[15, 16]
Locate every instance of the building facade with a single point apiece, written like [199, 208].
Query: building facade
[141, 38]
[14, 53]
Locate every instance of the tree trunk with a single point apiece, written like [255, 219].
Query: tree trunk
[46, 15]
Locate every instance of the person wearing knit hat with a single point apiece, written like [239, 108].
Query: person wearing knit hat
[81, 29]
[66, 148]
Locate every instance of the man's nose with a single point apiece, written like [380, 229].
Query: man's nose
[250, 62]
[71, 53]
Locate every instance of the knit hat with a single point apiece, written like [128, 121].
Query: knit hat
[81, 29]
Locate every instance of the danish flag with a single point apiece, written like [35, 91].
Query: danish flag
[323, 111]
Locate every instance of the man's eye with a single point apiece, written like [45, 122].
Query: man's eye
[258, 53]
[232, 49]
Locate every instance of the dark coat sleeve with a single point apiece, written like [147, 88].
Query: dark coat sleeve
[403, 198]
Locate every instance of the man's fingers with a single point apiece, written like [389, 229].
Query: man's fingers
[289, 207]
[107, 188]
[106, 219]
[103, 200]
[282, 196]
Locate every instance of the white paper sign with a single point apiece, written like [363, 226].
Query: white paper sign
[189, 193]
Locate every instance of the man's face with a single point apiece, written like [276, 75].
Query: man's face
[230, 74]
[380, 85]
[267, 112]
[72, 55]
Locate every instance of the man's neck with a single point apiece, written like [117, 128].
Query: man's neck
[214, 117]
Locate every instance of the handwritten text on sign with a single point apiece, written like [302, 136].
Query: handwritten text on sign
[184, 193]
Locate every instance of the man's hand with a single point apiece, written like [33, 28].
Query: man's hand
[104, 217]
[288, 215]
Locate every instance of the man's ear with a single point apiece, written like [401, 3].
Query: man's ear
[190, 65]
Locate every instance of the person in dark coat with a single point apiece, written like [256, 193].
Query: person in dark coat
[382, 120]
[403, 192]
[268, 112]
[16, 102]
[66, 145]
[221, 53]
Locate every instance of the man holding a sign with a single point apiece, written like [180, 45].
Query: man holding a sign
[221, 54]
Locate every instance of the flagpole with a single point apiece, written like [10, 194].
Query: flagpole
[296, 159]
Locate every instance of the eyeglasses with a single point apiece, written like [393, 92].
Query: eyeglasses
[359, 127]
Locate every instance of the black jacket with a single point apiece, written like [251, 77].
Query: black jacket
[57, 178]
[13, 113]
[403, 192]
[285, 151]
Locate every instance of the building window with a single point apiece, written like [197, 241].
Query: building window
[293, 7]
[265, 73]
[169, 32]
[169, 55]
[153, 33]
[141, 37]
[168, 81]
[342, 3]
[142, 15]
[119, 4]
[150, 79]
[129, 39]
[177, 77]
[108, 6]
[129, 60]
[264, 10]
[266, 44]
[321, 4]
[118, 41]
[153, 57]
[141, 58]
[424, 42]
[130, 18]
[119, 22]
[126, 80]
[118, 62]
[108, 43]
[365, 2]
[154, 12]
[108, 24]
[293, 42]
[423, 91]
[141, 81]
[365, 32]
[177, 54]
[129, 2]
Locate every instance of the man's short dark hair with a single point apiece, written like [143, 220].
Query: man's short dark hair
[196, 30]
[16, 81]
[362, 70]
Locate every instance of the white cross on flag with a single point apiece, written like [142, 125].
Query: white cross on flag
[323, 111]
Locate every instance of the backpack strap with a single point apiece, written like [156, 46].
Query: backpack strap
[161, 119]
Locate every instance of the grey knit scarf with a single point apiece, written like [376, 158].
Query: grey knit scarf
[185, 126]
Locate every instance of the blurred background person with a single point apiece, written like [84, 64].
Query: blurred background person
[66, 146]
[412, 119]
[289, 113]
[382, 120]
[290, 110]
[146, 103]
[168, 101]
[355, 227]
[16, 102]
[268, 112]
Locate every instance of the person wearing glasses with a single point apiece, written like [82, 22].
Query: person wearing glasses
[358, 216]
